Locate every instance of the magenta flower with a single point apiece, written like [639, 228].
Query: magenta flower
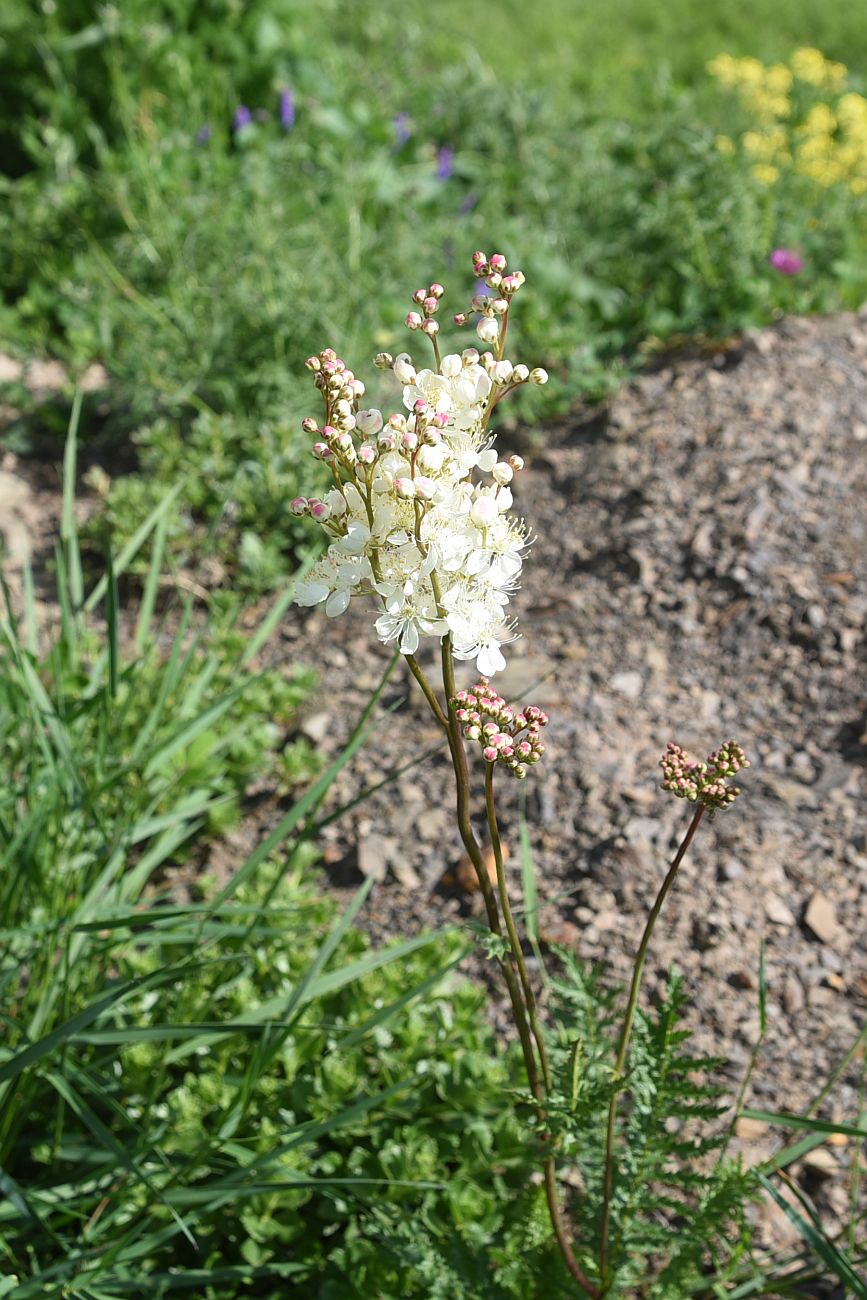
[241, 117]
[786, 261]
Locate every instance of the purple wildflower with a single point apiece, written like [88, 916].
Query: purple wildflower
[402, 129]
[287, 109]
[242, 117]
[203, 135]
[787, 261]
[445, 162]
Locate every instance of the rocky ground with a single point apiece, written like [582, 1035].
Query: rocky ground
[699, 573]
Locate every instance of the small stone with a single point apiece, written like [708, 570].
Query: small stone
[374, 854]
[820, 918]
[742, 979]
[315, 726]
[431, 824]
[629, 683]
[405, 875]
[730, 870]
[821, 1163]
[778, 911]
[750, 1130]
[465, 872]
[641, 830]
[793, 996]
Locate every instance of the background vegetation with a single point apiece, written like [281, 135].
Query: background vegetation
[200, 261]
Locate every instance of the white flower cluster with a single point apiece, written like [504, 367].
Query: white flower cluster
[419, 511]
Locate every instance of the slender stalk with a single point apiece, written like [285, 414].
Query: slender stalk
[560, 1233]
[427, 689]
[512, 929]
[626, 1034]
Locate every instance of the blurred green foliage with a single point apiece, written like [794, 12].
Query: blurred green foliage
[201, 264]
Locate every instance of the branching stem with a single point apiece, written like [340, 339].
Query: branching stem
[626, 1034]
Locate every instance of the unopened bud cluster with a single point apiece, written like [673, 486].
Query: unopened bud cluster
[705, 782]
[492, 309]
[506, 735]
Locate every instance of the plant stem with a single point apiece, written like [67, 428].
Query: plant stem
[427, 689]
[511, 928]
[519, 1011]
[626, 1034]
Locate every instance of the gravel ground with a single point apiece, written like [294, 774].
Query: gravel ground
[699, 573]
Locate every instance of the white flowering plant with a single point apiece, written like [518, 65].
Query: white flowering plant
[419, 521]
[419, 516]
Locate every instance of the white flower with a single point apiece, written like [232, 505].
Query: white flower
[404, 370]
[488, 330]
[333, 580]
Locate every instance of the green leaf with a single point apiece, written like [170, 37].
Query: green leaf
[816, 1240]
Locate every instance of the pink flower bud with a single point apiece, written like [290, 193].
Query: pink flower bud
[358, 388]
[494, 281]
[499, 306]
[313, 363]
[419, 406]
[298, 506]
[470, 356]
[431, 305]
[409, 440]
[367, 453]
[419, 295]
[480, 259]
[440, 420]
[309, 425]
[412, 320]
[425, 487]
[501, 372]
[497, 262]
[319, 510]
[431, 328]
[490, 753]
[436, 290]
[404, 487]
[387, 441]
[322, 451]
[460, 318]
